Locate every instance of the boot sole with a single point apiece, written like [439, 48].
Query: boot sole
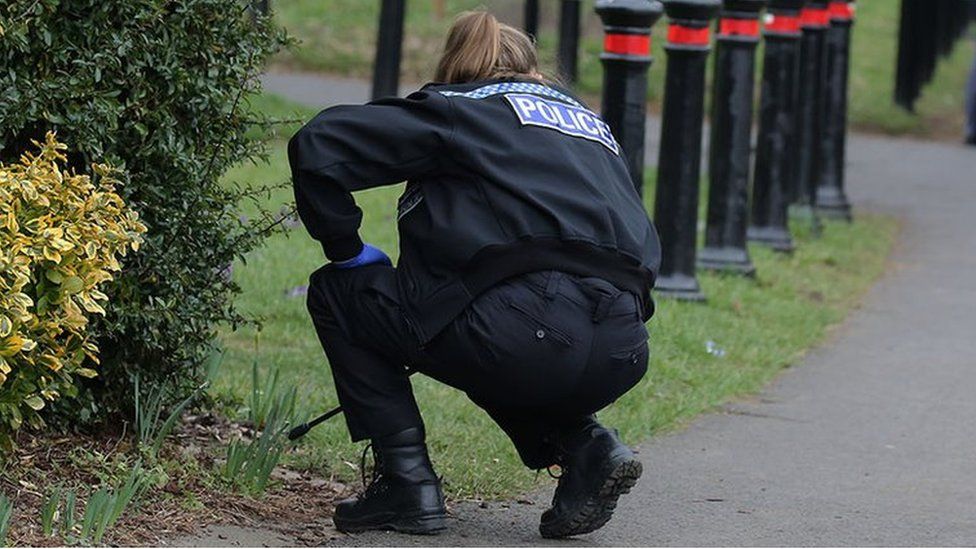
[597, 510]
[422, 526]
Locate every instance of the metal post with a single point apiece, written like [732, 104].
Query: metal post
[831, 199]
[906, 81]
[813, 22]
[569, 29]
[386, 69]
[531, 18]
[260, 8]
[731, 139]
[626, 58]
[777, 127]
[679, 165]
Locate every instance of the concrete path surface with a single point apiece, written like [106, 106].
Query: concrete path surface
[871, 441]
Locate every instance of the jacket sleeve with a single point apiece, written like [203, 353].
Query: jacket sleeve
[350, 148]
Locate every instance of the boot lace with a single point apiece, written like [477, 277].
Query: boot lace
[558, 469]
[375, 475]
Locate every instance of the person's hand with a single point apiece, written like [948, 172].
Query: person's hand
[370, 255]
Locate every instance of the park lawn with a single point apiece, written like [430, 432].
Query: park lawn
[339, 36]
[762, 325]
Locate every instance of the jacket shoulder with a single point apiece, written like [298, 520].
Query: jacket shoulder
[492, 88]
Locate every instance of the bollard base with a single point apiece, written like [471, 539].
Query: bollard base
[726, 260]
[804, 213]
[679, 287]
[832, 204]
[777, 239]
[842, 213]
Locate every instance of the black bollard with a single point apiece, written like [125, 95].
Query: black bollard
[530, 18]
[810, 107]
[626, 57]
[569, 29]
[810, 110]
[769, 225]
[727, 219]
[679, 165]
[386, 69]
[831, 199]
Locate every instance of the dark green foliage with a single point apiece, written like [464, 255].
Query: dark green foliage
[158, 88]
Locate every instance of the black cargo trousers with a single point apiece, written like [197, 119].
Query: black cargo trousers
[539, 353]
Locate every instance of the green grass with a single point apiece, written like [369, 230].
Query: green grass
[764, 325]
[339, 36]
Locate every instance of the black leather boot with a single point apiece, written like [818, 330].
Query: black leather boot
[404, 495]
[597, 468]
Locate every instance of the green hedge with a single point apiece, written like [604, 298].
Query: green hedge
[157, 88]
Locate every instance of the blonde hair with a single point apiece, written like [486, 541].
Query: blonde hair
[478, 47]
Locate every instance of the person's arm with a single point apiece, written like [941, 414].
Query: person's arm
[351, 148]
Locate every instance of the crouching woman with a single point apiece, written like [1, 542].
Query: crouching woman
[524, 276]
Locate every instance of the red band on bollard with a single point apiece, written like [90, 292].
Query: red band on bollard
[783, 23]
[689, 36]
[814, 17]
[627, 44]
[739, 27]
[841, 11]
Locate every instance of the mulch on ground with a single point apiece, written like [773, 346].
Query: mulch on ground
[188, 496]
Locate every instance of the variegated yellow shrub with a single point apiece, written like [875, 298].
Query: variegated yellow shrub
[61, 238]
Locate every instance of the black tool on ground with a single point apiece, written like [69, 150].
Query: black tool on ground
[679, 164]
[626, 57]
[303, 429]
[777, 128]
[734, 79]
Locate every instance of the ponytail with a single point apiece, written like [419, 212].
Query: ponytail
[480, 48]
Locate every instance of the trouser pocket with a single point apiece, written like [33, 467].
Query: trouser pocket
[618, 361]
[530, 351]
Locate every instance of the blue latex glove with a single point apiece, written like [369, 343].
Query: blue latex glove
[370, 255]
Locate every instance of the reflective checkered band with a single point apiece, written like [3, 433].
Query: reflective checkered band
[512, 87]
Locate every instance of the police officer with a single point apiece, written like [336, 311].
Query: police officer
[524, 278]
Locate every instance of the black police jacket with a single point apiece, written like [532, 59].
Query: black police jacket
[504, 177]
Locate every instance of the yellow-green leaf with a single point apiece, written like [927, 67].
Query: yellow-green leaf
[11, 346]
[54, 276]
[35, 402]
[51, 254]
[86, 372]
[91, 306]
[72, 285]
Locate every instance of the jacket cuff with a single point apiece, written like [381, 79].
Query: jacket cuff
[342, 249]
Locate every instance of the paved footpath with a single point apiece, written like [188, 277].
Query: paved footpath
[872, 441]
